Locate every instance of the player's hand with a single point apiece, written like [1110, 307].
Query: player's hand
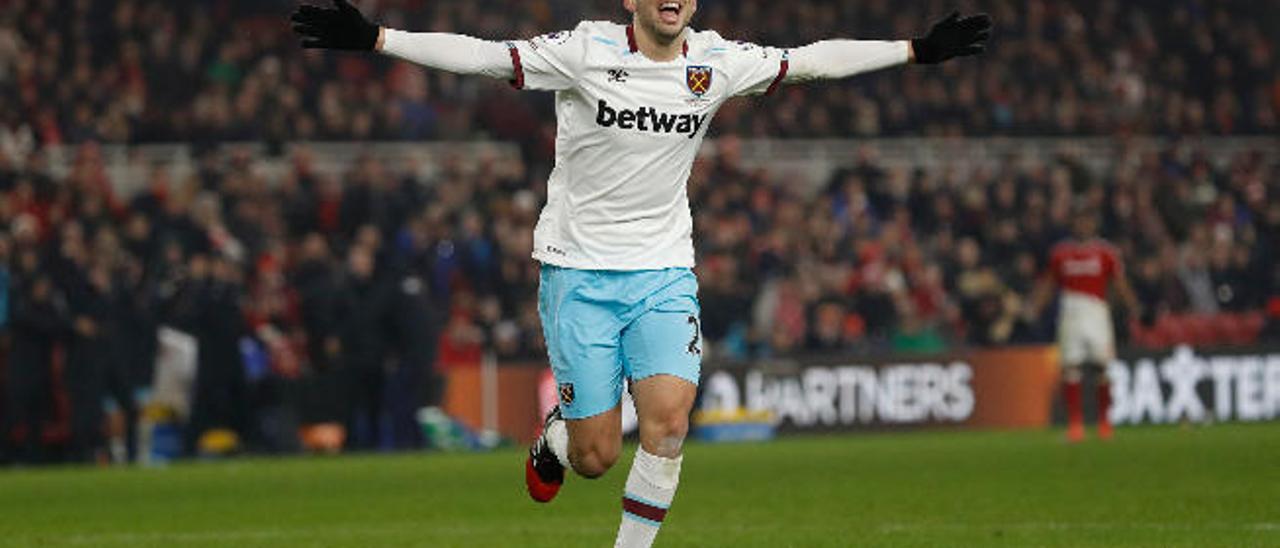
[953, 37]
[342, 28]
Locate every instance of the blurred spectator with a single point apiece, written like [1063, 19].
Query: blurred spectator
[221, 396]
[89, 359]
[365, 302]
[879, 260]
[39, 319]
[154, 71]
[352, 283]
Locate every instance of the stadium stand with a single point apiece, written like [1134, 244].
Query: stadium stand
[302, 262]
[160, 72]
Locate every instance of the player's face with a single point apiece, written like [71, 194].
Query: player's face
[666, 19]
[1085, 226]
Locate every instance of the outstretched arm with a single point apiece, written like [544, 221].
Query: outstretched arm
[449, 52]
[344, 28]
[1041, 293]
[834, 59]
[1128, 296]
[952, 37]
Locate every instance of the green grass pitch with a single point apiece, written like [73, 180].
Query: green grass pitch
[1206, 486]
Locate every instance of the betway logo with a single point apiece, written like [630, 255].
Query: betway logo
[649, 119]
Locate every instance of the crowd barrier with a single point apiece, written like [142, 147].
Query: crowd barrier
[1189, 385]
[1002, 388]
[998, 388]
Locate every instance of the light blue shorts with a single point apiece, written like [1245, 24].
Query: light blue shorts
[604, 325]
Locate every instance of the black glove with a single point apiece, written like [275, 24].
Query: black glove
[342, 28]
[953, 37]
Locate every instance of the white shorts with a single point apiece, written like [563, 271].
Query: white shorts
[1085, 333]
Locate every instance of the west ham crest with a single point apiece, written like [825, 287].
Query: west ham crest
[699, 79]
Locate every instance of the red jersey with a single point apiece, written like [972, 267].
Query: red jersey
[1085, 268]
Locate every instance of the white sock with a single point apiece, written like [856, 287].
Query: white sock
[557, 436]
[650, 488]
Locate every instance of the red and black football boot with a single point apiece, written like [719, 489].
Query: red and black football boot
[543, 473]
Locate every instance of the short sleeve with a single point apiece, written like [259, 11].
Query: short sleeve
[754, 69]
[1054, 271]
[1115, 267]
[549, 62]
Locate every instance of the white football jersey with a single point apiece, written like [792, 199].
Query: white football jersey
[628, 131]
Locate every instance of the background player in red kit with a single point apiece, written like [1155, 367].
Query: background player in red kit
[1084, 268]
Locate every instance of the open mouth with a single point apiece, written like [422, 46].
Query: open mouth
[669, 12]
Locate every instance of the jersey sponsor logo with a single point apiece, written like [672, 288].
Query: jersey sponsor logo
[699, 79]
[1082, 267]
[649, 119]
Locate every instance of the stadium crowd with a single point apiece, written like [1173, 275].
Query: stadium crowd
[319, 299]
[329, 299]
[156, 71]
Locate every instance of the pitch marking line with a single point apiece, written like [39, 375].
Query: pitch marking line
[1075, 526]
[328, 533]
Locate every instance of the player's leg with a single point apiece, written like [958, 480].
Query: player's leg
[1104, 399]
[1072, 377]
[1106, 346]
[588, 446]
[1072, 353]
[663, 403]
[583, 432]
[662, 352]
[122, 418]
[594, 443]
